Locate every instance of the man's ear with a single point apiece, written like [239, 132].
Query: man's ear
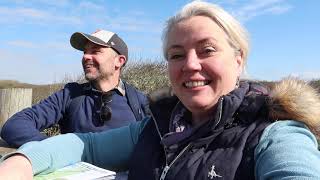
[120, 61]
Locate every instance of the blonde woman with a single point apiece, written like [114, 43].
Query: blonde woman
[214, 127]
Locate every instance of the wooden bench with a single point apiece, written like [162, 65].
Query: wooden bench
[5, 148]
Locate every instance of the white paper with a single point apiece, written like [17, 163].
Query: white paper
[81, 170]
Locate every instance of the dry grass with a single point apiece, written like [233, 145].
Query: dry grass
[146, 76]
[14, 84]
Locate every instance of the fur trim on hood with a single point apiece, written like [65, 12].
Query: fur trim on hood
[295, 99]
[289, 99]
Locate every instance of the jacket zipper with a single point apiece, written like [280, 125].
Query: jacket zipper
[220, 110]
[167, 167]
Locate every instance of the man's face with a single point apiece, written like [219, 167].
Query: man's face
[98, 62]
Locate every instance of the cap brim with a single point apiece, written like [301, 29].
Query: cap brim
[79, 40]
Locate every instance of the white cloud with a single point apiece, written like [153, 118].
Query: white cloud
[138, 13]
[260, 7]
[86, 5]
[84, 13]
[279, 9]
[32, 67]
[32, 13]
[22, 44]
[226, 2]
[56, 46]
[22, 12]
[13, 16]
[34, 16]
[131, 24]
[260, 4]
[56, 3]
[38, 59]
[308, 75]
[6, 55]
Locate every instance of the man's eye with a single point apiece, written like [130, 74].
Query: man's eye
[91, 52]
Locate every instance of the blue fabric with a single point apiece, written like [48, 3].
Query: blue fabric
[108, 149]
[225, 142]
[287, 150]
[26, 125]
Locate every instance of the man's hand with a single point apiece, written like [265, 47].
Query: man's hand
[17, 167]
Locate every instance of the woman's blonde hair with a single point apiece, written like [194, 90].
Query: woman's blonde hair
[236, 33]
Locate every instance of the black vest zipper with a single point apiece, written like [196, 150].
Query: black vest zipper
[167, 167]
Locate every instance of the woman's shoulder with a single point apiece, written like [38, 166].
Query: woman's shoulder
[287, 148]
[281, 129]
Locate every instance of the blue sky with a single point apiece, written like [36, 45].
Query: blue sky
[34, 34]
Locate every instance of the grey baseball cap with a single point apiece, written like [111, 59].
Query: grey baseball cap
[105, 38]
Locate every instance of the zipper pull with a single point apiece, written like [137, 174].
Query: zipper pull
[164, 172]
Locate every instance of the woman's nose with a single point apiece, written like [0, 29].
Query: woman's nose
[192, 62]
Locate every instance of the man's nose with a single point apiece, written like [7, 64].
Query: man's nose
[86, 57]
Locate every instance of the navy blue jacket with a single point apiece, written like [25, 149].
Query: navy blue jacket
[222, 148]
[76, 108]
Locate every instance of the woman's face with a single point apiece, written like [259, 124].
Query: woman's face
[202, 64]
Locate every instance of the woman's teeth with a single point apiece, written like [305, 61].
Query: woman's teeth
[191, 84]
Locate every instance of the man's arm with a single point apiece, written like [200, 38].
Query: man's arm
[144, 104]
[287, 150]
[26, 125]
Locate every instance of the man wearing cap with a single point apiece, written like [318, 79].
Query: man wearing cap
[103, 103]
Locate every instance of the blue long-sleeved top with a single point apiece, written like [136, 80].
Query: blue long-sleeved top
[286, 150]
[76, 108]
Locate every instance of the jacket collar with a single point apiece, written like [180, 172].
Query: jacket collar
[241, 99]
[120, 88]
[288, 99]
[246, 101]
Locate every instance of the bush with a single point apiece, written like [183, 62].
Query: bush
[315, 84]
[147, 77]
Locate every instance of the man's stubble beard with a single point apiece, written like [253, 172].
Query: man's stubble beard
[99, 76]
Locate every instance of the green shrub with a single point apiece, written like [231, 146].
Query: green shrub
[315, 84]
[147, 77]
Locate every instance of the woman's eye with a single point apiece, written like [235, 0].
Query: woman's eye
[175, 57]
[209, 49]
